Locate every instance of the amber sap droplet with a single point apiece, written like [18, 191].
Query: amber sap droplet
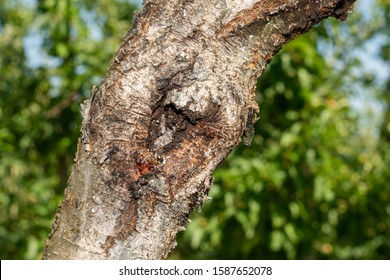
[145, 161]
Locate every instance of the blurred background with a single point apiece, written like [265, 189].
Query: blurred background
[315, 184]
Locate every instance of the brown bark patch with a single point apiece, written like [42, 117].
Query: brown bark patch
[126, 221]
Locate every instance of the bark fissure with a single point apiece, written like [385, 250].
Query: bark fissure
[178, 97]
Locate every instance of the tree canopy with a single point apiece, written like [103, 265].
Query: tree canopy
[313, 185]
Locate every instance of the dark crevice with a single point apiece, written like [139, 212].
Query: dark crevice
[168, 118]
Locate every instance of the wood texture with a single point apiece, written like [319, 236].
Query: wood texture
[178, 97]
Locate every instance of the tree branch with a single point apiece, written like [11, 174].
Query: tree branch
[177, 98]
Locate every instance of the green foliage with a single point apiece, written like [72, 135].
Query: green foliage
[51, 54]
[313, 185]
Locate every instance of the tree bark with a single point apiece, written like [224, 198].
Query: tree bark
[178, 97]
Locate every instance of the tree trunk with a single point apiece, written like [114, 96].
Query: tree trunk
[178, 97]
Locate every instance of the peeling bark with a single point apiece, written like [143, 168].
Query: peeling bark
[178, 97]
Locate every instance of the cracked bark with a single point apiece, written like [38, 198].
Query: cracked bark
[178, 97]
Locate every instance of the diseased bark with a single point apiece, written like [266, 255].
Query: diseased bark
[177, 98]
